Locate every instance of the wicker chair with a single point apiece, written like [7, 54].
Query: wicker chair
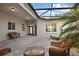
[60, 51]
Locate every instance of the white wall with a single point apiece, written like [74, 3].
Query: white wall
[4, 19]
[41, 27]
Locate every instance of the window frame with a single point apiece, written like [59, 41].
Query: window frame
[11, 26]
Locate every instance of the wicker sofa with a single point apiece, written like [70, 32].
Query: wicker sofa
[4, 48]
[13, 35]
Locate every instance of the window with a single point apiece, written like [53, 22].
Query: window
[51, 27]
[23, 27]
[11, 26]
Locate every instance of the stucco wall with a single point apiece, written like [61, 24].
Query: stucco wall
[4, 19]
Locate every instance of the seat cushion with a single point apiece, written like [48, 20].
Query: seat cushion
[62, 45]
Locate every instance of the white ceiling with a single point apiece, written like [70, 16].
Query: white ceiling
[20, 12]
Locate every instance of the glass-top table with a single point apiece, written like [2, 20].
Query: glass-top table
[34, 51]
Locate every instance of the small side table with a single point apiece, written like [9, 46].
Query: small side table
[34, 51]
[74, 52]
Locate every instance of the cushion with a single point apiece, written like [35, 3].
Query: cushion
[4, 50]
[62, 45]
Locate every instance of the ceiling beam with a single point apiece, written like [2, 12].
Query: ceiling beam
[26, 8]
[52, 8]
[52, 16]
[44, 12]
[76, 5]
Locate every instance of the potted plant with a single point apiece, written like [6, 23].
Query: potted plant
[71, 32]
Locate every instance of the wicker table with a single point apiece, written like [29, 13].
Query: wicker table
[34, 51]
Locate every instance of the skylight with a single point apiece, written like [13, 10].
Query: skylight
[52, 10]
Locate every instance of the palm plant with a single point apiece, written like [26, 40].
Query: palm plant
[56, 38]
[72, 23]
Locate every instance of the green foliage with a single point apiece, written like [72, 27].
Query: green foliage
[72, 32]
[69, 29]
[72, 19]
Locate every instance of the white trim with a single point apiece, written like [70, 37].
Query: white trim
[22, 5]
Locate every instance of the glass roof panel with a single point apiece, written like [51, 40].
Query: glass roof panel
[45, 10]
[40, 12]
[59, 12]
[46, 14]
[55, 5]
[41, 5]
[56, 12]
[62, 5]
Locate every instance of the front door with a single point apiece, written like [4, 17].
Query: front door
[32, 30]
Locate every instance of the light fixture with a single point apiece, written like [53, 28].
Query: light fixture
[13, 9]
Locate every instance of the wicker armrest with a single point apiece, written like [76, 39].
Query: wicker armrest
[4, 50]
